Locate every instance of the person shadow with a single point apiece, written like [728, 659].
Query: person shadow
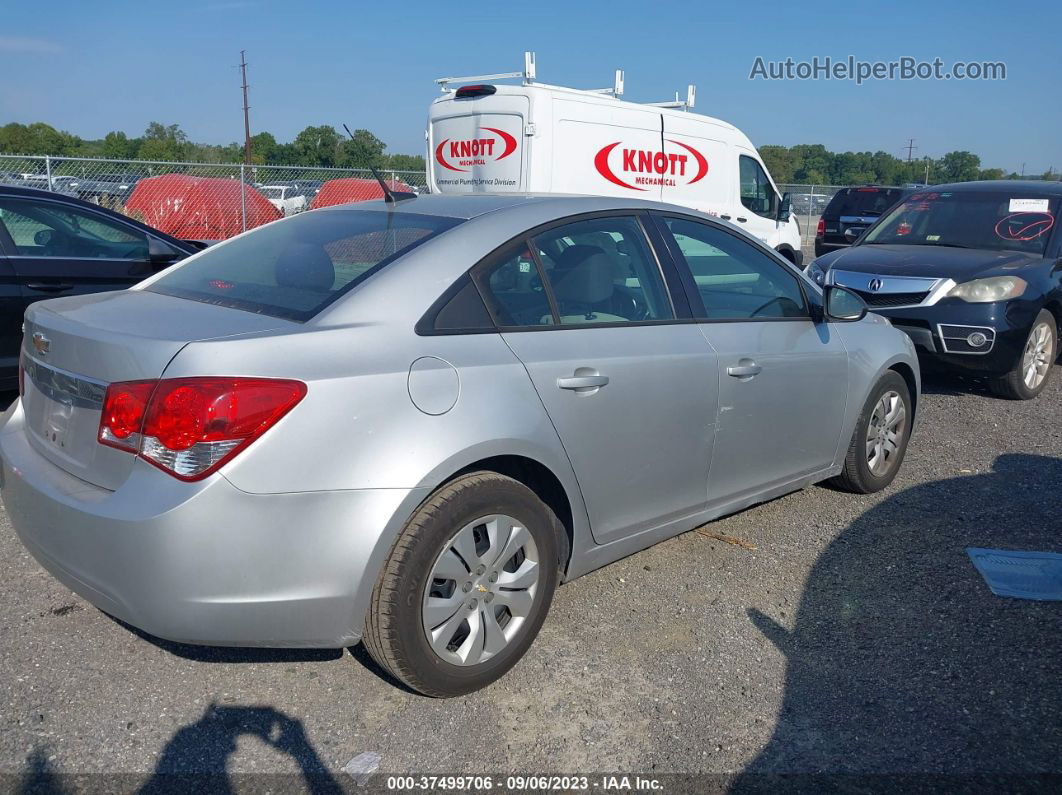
[902, 666]
[195, 759]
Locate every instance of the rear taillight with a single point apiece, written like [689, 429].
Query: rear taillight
[820, 230]
[475, 91]
[189, 427]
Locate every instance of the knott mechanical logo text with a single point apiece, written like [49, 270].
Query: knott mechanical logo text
[650, 167]
[462, 155]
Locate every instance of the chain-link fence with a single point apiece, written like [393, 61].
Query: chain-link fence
[808, 202]
[205, 201]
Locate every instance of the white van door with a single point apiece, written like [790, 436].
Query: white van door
[606, 149]
[702, 176]
[480, 152]
[757, 208]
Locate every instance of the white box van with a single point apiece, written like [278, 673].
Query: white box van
[538, 138]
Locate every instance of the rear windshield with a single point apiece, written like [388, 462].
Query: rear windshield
[863, 201]
[970, 219]
[295, 268]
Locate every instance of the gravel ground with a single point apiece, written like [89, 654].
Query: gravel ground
[855, 638]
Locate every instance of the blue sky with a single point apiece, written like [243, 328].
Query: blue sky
[93, 67]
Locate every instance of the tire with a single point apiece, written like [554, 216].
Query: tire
[1039, 353]
[408, 600]
[858, 475]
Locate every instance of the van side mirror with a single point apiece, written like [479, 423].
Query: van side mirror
[785, 207]
[842, 305]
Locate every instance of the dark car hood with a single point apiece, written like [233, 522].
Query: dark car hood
[959, 264]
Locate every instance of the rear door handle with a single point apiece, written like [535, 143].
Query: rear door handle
[582, 382]
[742, 220]
[744, 370]
[50, 287]
[725, 217]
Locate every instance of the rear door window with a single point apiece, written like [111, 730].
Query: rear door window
[295, 268]
[602, 271]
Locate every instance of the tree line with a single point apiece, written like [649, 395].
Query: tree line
[320, 145]
[323, 145]
[813, 164]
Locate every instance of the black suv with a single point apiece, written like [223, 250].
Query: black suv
[850, 211]
[53, 245]
[972, 272]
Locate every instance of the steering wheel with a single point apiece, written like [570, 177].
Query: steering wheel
[629, 306]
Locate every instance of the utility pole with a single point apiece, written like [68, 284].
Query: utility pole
[246, 116]
[910, 149]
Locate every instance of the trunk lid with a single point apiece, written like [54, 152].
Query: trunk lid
[74, 347]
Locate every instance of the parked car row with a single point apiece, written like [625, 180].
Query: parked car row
[970, 272]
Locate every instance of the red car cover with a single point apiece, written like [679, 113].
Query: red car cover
[352, 189]
[199, 208]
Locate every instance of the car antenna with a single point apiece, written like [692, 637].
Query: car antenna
[390, 196]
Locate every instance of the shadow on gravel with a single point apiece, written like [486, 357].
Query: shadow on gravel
[901, 661]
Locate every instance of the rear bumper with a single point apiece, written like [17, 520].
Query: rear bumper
[203, 563]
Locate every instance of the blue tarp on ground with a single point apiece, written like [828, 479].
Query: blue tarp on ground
[1020, 574]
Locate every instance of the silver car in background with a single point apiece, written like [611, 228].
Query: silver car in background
[405, 423]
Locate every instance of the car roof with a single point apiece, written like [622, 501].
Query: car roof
[998, 185]
[473, 205]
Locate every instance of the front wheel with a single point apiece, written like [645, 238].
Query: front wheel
[1029, 375]
[466, 586]
[880, 439]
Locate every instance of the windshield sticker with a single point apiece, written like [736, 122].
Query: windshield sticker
[1028, 206]
[1023, 227]
[903, 229]
[932, 238]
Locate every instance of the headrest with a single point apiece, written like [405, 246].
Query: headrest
[306, 266]
[588, 282]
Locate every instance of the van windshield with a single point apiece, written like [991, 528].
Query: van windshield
[296, 267]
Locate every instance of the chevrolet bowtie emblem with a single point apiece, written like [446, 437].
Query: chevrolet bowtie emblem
[481, 588]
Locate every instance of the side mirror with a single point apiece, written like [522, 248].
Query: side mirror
[842, 305]
[160, 253]
[785, 207]
[851, 234]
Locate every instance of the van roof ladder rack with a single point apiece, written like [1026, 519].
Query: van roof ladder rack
[527, 76]
[678, 104]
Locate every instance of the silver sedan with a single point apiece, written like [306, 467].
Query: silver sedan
[405, 423]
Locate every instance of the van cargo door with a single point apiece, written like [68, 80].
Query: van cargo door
[603, 149]
[475, 151]
[698, 169]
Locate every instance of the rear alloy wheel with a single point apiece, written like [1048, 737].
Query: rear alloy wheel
[1029, 376]
[466, 587]
[879, 442]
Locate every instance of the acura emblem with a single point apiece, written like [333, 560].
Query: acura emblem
[41, 343]
[875, 285]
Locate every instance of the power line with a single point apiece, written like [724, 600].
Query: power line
[246, 115]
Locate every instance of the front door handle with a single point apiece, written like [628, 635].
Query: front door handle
[578, 382]
[50, 287]
[744, 370]
[725, 217]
